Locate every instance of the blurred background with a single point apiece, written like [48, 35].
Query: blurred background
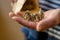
[9, 29]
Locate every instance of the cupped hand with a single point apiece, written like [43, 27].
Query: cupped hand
[51, 18]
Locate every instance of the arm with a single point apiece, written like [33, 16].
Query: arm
[51, 18]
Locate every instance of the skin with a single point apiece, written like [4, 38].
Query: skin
[51, 18]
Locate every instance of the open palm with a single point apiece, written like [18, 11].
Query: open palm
[51, 18]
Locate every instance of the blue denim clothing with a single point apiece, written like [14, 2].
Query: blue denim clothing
[31, 34]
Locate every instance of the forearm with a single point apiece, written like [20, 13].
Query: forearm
[59, 18]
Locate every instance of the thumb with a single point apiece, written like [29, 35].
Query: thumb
[45, 24]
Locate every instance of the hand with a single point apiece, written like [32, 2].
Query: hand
[51, 18]
[20, 19]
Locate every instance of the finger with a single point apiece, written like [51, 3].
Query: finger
[45, 24]
[19, 13]
[26, 23]
[11, 14]
[17, 18]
